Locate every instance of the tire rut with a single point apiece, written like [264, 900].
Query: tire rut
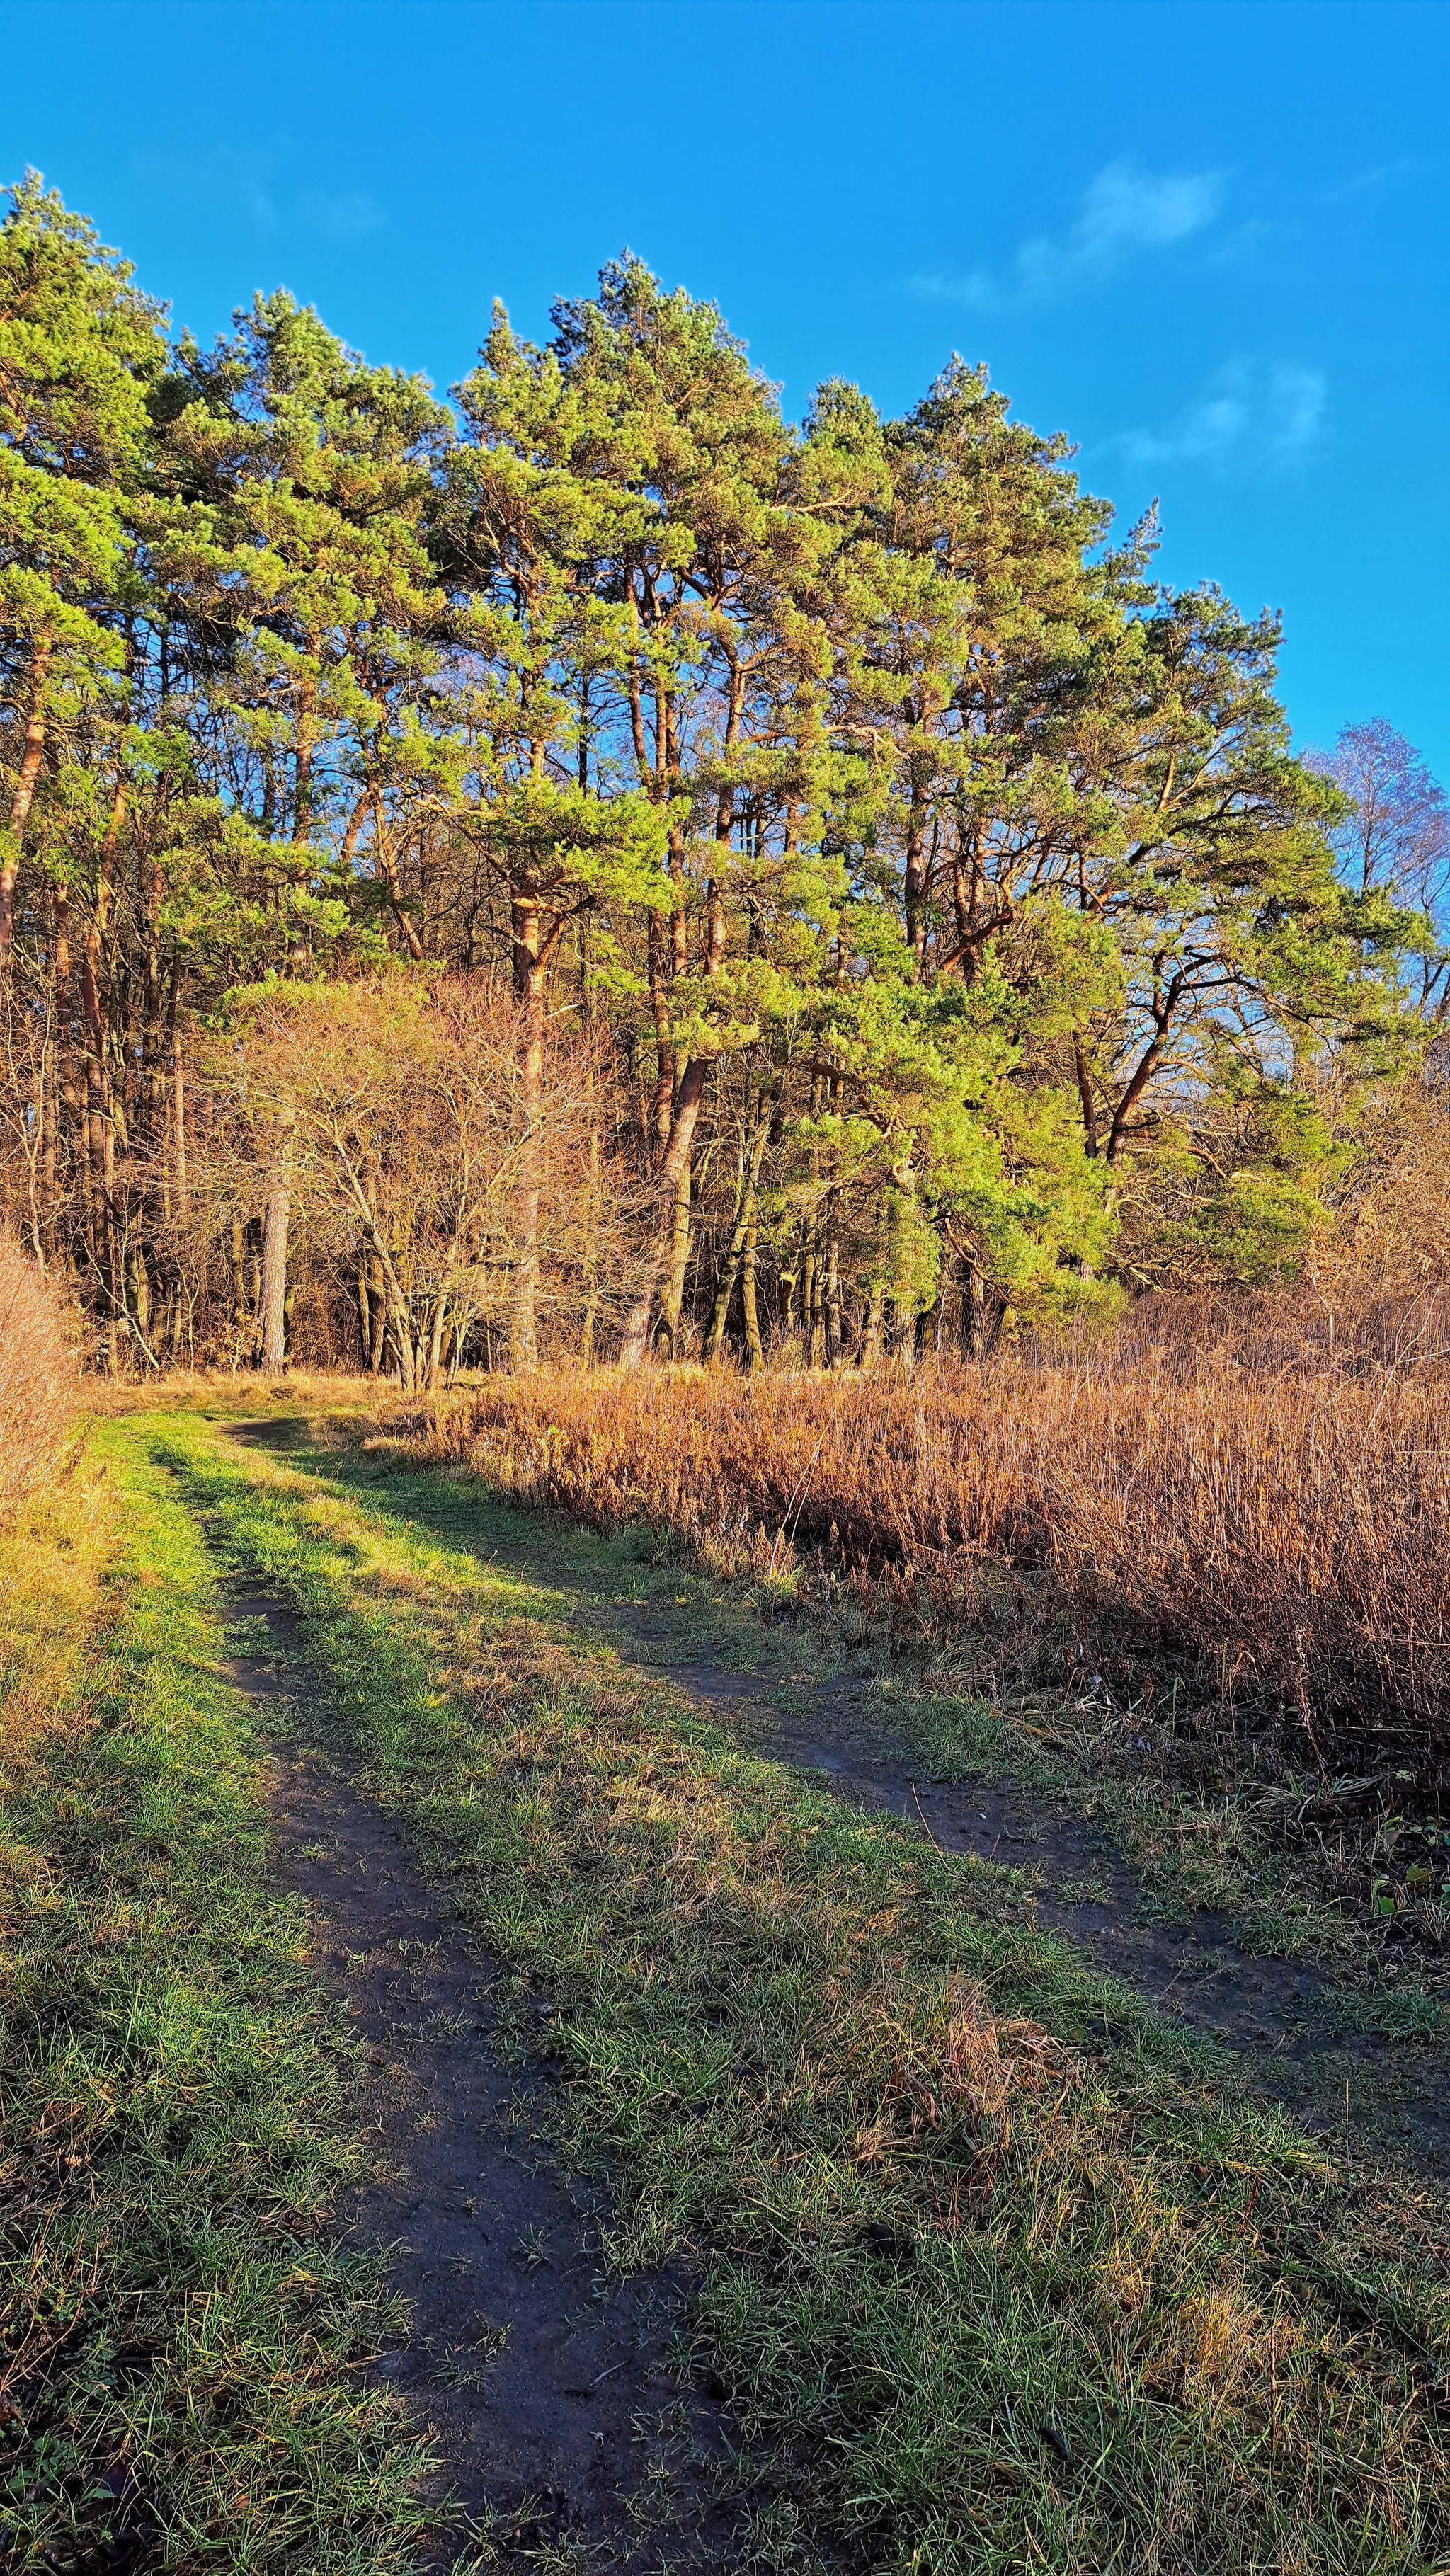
[1288, 2022]
[552, 2391]
[1269, 2012]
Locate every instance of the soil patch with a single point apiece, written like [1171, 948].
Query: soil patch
[1276, 2014]
[552, 2390]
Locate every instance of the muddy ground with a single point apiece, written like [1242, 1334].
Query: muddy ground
[557, 2396]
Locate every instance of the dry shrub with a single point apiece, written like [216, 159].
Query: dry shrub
[38, 1383]
[977, 2072]
[1279, 1532]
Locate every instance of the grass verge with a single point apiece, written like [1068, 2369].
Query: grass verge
[176, 2343]
[1193, 1851]
[993, 2264]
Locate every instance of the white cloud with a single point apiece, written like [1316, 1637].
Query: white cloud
[938, 286]
[1124, 211]
[1250, 418]
[346, 217]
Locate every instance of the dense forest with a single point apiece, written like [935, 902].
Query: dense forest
[598, 869]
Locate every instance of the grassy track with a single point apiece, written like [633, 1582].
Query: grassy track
[174, 2341]
[994, 2265]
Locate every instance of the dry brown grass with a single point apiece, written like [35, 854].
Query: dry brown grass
[39, 1390]
[54, 1552]
[1275, 1532]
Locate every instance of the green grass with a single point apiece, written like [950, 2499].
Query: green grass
[1191, 1850]
[179, 2346]
[999, 2269]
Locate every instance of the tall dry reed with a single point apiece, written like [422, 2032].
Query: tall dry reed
[1283, 1531]
[38, 1383]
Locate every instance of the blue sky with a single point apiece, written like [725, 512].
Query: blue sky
[1209, 239]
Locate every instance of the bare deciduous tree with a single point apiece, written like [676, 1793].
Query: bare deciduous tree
[1398, 837]
[407, 1140]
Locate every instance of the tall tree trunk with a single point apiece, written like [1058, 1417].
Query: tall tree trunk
[672, 1300]
[974, 1310]
[591, 1253]
[178, 1105]
[48, 1122]
[69, 1128]
[528, 978]
[32, 752]
[875, 1328]
[378, 1307]
[834, 1335]
[241, 1316]
[635, 1345]
[754, 1349]
[744, 1219]
[100, 1118]
[364, 1308]
[275, 1228]
[664, 1091]
[1086, 1095]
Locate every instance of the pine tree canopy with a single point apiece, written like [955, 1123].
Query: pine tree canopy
[889, 915]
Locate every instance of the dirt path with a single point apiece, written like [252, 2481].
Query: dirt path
[1282, 2017]
[552, 2391]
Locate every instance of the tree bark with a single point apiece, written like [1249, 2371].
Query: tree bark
[274, 1249]
[31, 755]
[672, 1302]
[591, 1257]
[178, 1086]
[528, 980]
[664, 1092]
[744, 1217]
[834, 1336]
[974, 1310]
[754, 1349]
[875, 1327]
[635, 1345]
[100, 1122]
[68, 1116]
[1086, 1096]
